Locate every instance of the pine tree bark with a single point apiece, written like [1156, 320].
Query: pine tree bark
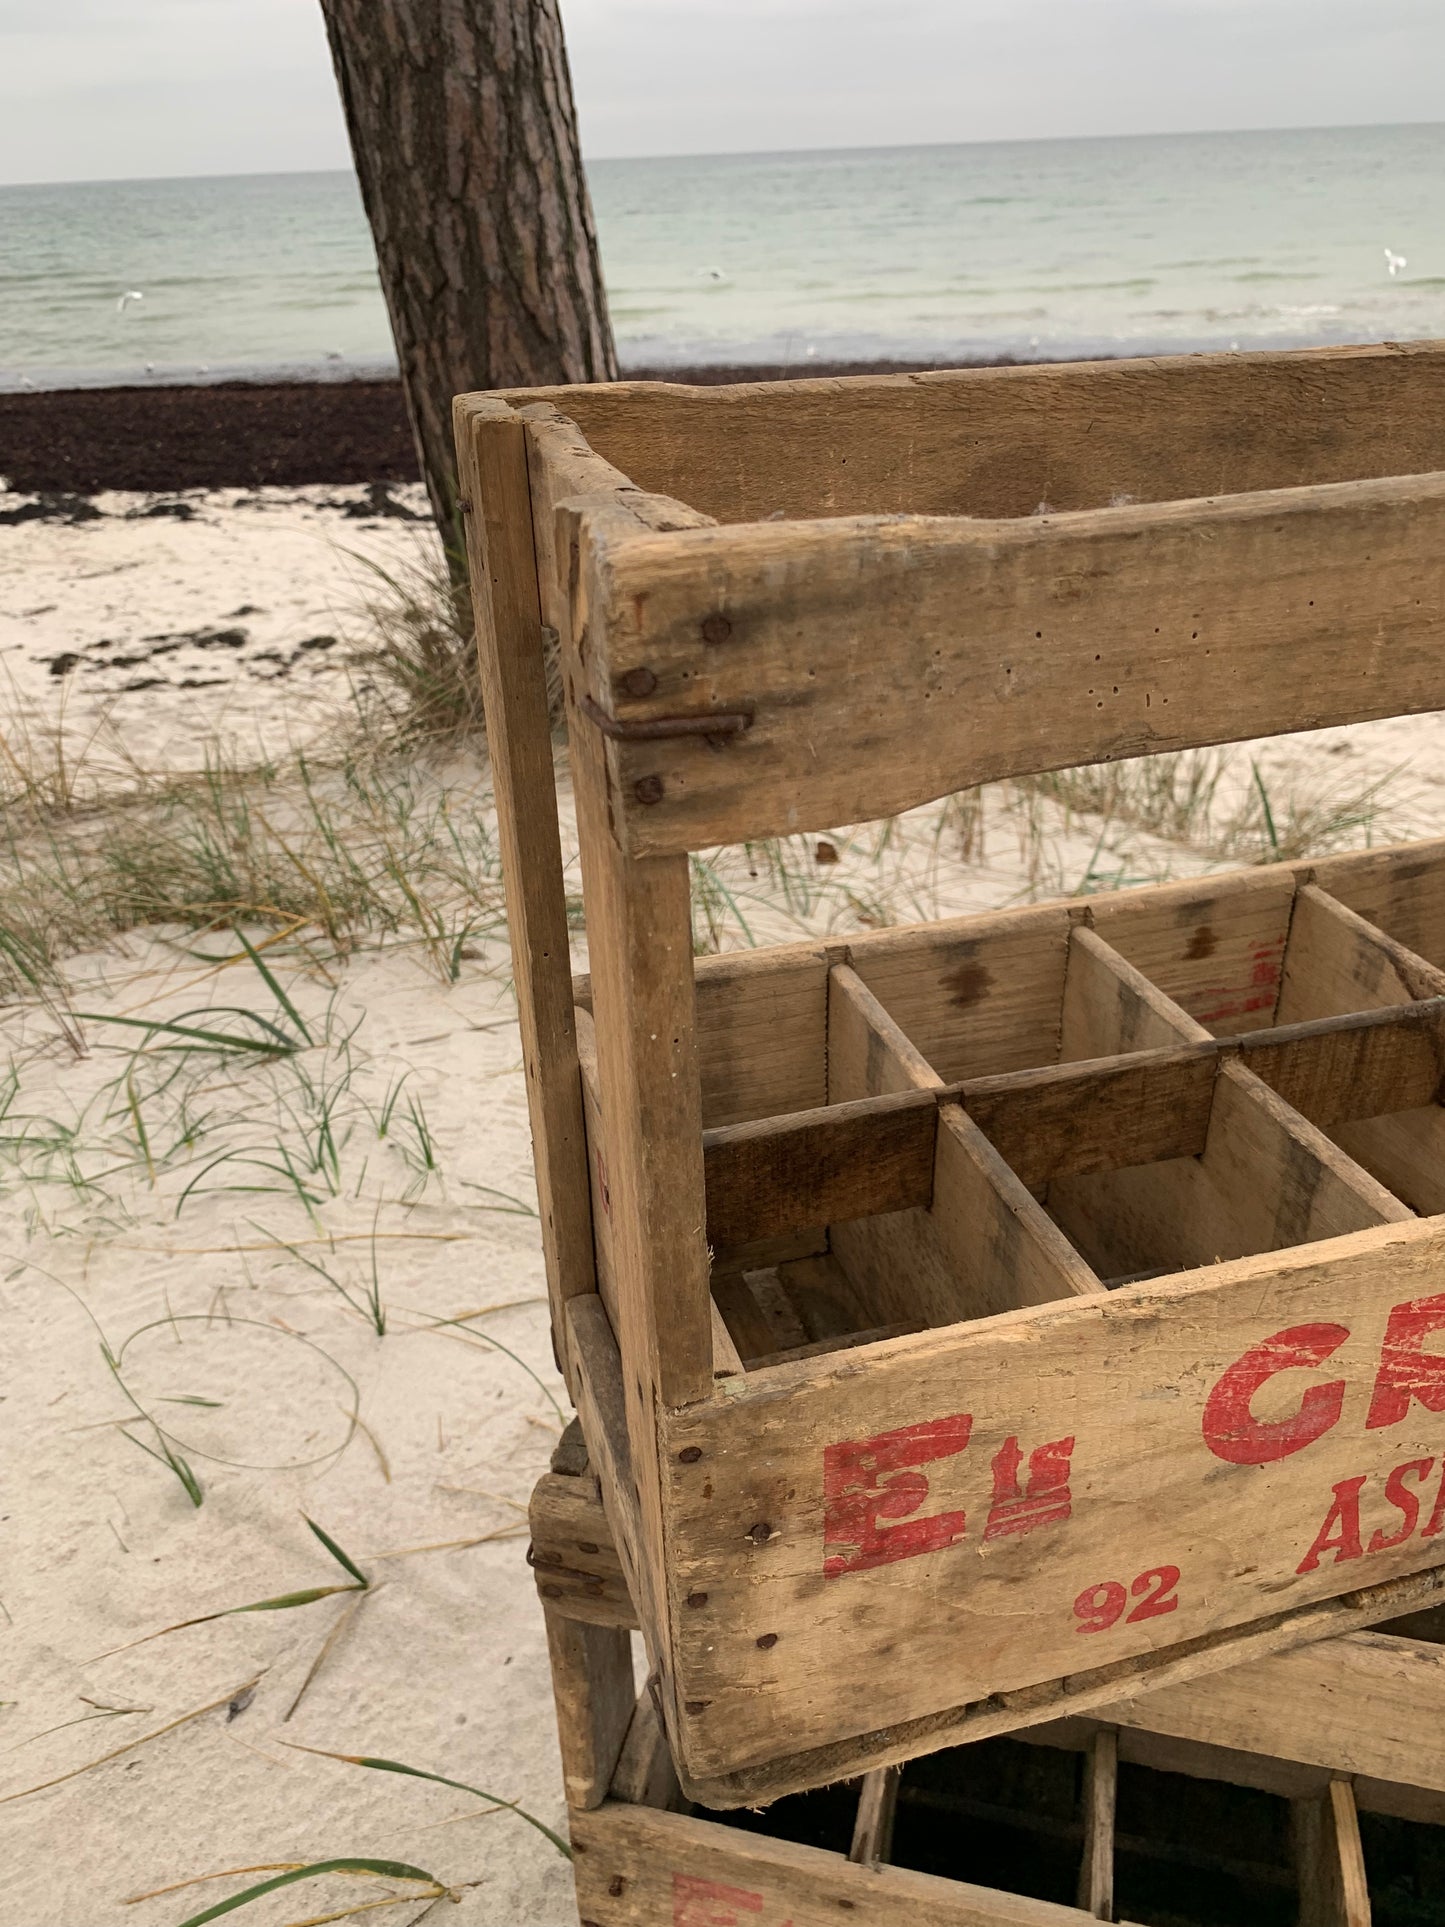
[464, 135]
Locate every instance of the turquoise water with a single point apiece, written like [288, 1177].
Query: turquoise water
[1046, 248]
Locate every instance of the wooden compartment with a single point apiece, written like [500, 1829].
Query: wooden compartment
[1289, 1791]
[990, 1319]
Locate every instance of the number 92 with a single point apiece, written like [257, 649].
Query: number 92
[1097, 1608]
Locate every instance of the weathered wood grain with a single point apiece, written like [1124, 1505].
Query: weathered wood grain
[637, 1867]
[845, 1161]
[1001, 441]
[1101, 1801]
[1334, 1890]
[1133, 1378]
[1087, 638]
[492, 459]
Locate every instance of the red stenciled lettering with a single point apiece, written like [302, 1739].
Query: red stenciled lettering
[1232, 1432]
[868, 1480]
[1407, 1370]
[1340, 1533]
[1437, 1511]
[709, 1903]
[1041, 1501]
[1406, 1503]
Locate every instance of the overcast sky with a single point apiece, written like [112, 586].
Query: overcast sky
[93, 89]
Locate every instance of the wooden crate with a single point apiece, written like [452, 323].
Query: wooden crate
[1311, 1728]
[984, 1320]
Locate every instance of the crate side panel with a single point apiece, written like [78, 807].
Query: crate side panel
[977, 996]
[886, 662]
[1000, 441]
[1215, 946]
[637, 1867]
[1001, 1505]
[762, 1034]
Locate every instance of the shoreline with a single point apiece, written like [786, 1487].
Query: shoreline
[268, 434]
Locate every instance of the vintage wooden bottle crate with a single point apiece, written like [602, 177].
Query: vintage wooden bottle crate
[1009, 1313]
[1343, 1728]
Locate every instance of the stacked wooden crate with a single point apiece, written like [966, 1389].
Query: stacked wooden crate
[1026, 1315]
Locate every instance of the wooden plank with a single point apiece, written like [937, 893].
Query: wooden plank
[1333, 1889]
[1369, 1703]
[1265, 1180]
[594, 1694]
[1111, 1008]
[640, 936]
[762, 1020]
[492, 467]
[1101, 1801]
[1002, 1248]
[976, 995]
[872, 1841]
[602, 1405]
[894, 1260]
[645, 1776]
[1212, 945]
[1397, 889]
[1176, 1462]
[1350, 1067]
[636, 1867]
[1089, 637]
[573, 1553]
[599, 1188]
[726, 1359]
[1337, 962]
[999, 441]
[846, 1161]
[1097, 1116]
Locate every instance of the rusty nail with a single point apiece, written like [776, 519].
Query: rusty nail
[697, 1599]
[615, 1885]
[648, 789]
[690, 1454]
[766, 1642]
[639, 682]
[716, 629]
[761, 1533]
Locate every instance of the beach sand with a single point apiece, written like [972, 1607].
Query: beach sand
[160, 625]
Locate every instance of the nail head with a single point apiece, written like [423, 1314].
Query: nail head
[716, 629]
[648, 789]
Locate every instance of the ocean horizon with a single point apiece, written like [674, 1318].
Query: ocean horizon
[1054, 249]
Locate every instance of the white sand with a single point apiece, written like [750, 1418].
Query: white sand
[443, 1665]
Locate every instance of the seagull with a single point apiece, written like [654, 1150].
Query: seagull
[131, 294]
[711, 274]
[1394, 262]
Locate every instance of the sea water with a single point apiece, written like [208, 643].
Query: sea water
[1032, 249]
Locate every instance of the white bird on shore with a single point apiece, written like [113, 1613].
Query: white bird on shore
[131, 294]
[1394, 262]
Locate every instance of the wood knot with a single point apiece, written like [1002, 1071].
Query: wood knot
[690, 1454]
[716, 629]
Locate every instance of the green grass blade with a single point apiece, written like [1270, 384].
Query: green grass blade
[227, 1040]
[384, 1869]
[440, 1779]
[347, 1564]
[273, 985]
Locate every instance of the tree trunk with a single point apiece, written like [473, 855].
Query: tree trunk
[465, 140]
